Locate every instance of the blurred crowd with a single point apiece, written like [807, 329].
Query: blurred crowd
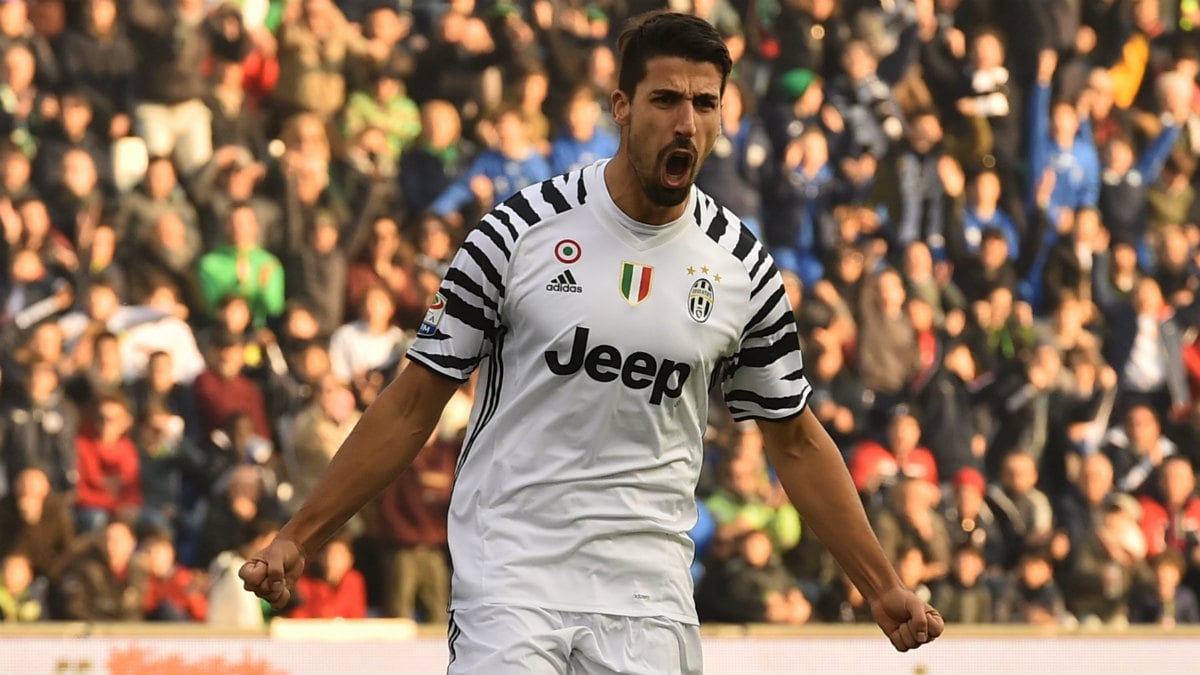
[223, 221]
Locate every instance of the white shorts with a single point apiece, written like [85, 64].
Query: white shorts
[502, 640]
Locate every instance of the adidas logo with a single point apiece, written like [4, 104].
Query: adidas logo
[564, 283]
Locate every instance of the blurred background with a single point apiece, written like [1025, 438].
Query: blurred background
[222, 223]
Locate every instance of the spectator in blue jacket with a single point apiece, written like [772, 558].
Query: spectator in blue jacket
[581, 141]
[1061, 142]
[983, 211]
[800, 228]
[738, 167]
[496, 174]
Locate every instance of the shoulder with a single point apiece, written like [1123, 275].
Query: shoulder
[728, 231]
[535, 205]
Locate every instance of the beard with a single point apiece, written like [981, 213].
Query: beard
[652, 183]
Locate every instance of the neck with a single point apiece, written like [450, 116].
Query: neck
[626, 192]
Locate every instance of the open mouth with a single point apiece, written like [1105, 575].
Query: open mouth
[677, 169]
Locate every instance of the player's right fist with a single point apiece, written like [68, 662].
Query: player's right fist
[271, 573]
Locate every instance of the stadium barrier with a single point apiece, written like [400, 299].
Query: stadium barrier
[389, 647]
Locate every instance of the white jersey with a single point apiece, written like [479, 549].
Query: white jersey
[598, 340]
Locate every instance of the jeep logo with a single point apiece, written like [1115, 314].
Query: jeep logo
[604, 363]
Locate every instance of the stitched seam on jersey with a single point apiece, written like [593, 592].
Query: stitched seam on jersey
[492, 398]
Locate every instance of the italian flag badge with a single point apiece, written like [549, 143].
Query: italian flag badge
[635, 282]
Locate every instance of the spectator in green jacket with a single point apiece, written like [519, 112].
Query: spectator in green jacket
[244, 269]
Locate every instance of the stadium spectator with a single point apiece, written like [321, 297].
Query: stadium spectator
[98, 58]
[161, 193]
[879, 466]
[172, 468]
[971, 520]
[36, 523]
[909, 521]
[439, 156]
[754, 587]
[332, 588]
[496, 173]
[1023, 512]
[22, 595]
[412, 514]
[240, 500]
[229, 604]
[1137, 450]
[1032, 596]
[949, 415]
[39, 430]
[748, 500]
[169, 114]
[27, 107]
[581, 139]
[243, 268]
[1105, 544]
[173, 592]
[316, 273]
[110, 478]
[387, 259]
[887, 342]
[1166, 601]
[1171, 513]
[317, 433]
[101, 583]
[798, 226]
[740, 166]
[838, 398]
[160, 388]
[966, 596]
[314, 49]
[223, 391]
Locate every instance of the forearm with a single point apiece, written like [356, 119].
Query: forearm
[815, 477]
[382, 445]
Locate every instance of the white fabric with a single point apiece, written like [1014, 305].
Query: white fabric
[523, 641]
[1146, 369]
[353, 350]
[575, 485]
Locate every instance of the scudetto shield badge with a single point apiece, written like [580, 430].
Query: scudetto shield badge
[635, 282]
[700, 300]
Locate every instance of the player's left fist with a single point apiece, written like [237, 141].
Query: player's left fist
[907, 620]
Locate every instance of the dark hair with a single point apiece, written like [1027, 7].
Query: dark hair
[664, 33]
[1181, 161]
[994, 31]
[1169, 556]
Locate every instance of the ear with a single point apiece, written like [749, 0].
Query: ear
[620, 108]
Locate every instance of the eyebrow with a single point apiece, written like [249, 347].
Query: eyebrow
[704, 96]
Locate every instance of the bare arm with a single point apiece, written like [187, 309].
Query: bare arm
[816, 479]
[382, 445]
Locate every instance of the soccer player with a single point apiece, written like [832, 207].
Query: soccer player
[601, 307]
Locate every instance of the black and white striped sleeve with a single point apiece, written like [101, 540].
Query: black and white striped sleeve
[765, 378]
[460, 325]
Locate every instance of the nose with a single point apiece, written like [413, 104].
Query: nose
[685, 122]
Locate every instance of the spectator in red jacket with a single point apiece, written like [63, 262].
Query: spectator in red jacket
[107, 461]
[413, 511]
[1171, 518]
[173, 592]
[332, 588]
[223, 390]
[874, 466]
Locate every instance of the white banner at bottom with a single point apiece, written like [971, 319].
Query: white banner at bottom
[1062, 655]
